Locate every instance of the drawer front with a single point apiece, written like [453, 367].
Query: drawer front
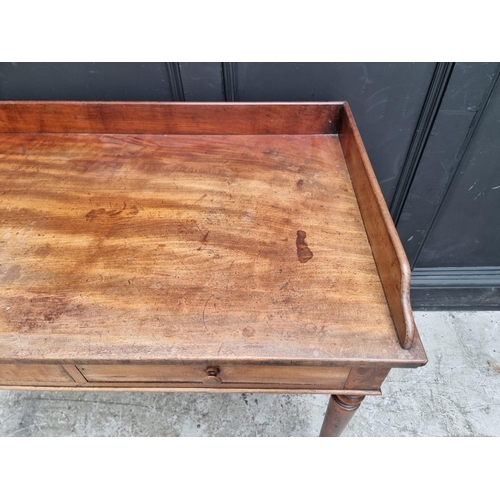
[33, 374]
[331, 377]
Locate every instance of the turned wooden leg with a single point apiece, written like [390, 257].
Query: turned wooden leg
[340, 410]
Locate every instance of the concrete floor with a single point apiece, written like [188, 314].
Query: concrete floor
[456, 394]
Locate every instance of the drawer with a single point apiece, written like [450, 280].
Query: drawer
[33, 374]
[331, 377]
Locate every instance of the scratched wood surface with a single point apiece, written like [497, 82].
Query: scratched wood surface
[237, 248]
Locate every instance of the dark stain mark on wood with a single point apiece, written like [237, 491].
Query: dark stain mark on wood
[33, 313]
[93, 214]
[311, 328]
[114, 213]
[303, 252]
[248, 331]
[98, 212]
[494, 366]
[300, 183]
[44, 251]
[205, 237]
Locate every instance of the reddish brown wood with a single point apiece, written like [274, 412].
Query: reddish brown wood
[366, 378]
[168, 118]
[314, 376]
[388, 251]
[340, 410]
[75, 374]
[33, 374]
[198, 247]
[154, 248]
[106, 387]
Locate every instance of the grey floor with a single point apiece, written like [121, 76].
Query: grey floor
[456, 394]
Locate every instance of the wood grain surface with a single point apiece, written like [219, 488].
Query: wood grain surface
[390, 257]
[332, 377]
[33, 374]
[340, 410]
[169, 118]
[185, 388]
[181, 248]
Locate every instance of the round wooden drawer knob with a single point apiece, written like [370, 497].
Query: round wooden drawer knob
[211, 378]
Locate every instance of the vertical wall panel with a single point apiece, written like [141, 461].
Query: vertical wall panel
[202, 82]
[466, 91]
[85, 81]
[467, 229]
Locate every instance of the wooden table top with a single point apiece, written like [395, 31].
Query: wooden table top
[181, 248]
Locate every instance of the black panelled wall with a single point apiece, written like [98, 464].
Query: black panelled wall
[85, 81]
[432, 131]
